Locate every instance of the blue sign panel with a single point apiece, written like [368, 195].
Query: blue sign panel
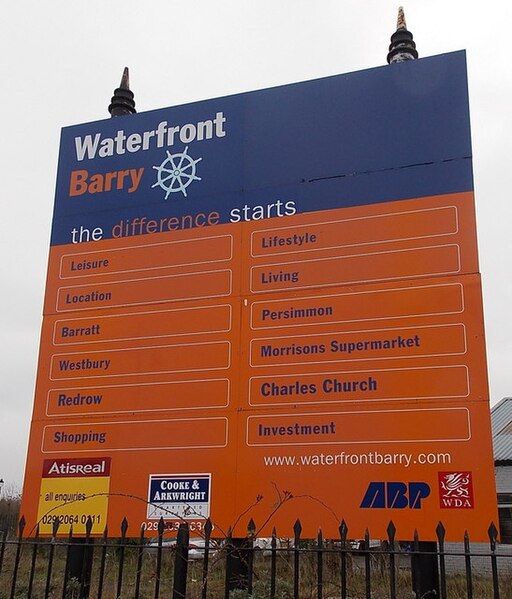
[330, 143]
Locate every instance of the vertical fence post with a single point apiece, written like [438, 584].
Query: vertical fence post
[207, 534]
[273, 564]
[229, 549]
[67, 563]
[367, 565]
[493, 535]
[160, 528]
[391, 530]
[297, 529]
[319, 564]
[33, 563]
[249, 553]
[441, 532]
[55, 529]
[140, 553]
[102, 563]
[343, 528]
[467, 560]
[122, 547]
[179, 588]
[21, 527]
[2, 549]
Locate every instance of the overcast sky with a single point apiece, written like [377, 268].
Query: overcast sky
[61, 60]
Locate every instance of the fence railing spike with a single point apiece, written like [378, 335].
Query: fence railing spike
[88, 526]
[251, 528]
[161, 526]
[343, 528]
[124, 527]
[493, 532]
[416, 540]
[208, 527]
[21, 526]
[55, 527]
[391, 530]
[297, 528]
[440, 532]
[273, 540]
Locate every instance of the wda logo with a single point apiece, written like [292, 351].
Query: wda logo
[395, 495]
[456, 490]
[176, 173]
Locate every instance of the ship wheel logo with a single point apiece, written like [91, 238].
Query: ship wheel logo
[176, 173]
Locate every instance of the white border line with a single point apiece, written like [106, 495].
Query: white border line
[366, 441]
[363, 280]
[159, 301]
[120, 422]
[124, 314]
[348, 220]
[290, 301]
[149, 245]
[365, 359]
[73, 390]
[337, 373]
[151, 347]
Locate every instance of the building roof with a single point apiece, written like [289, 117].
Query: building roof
[501, 423]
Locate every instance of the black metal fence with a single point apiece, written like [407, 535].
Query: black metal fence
[120, 567]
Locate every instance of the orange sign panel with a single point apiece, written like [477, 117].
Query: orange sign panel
[173, 355]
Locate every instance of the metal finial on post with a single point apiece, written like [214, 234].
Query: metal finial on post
[402, 47]
[125, 79]
[400, 23]
[122, 101]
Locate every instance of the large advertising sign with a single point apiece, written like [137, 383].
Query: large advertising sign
[268, 305]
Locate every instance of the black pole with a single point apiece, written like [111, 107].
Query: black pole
[425, 575]
[79, 560]
[237, 565]
[80, 564]
[181, 563]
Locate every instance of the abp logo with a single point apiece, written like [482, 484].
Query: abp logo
[395, 495]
